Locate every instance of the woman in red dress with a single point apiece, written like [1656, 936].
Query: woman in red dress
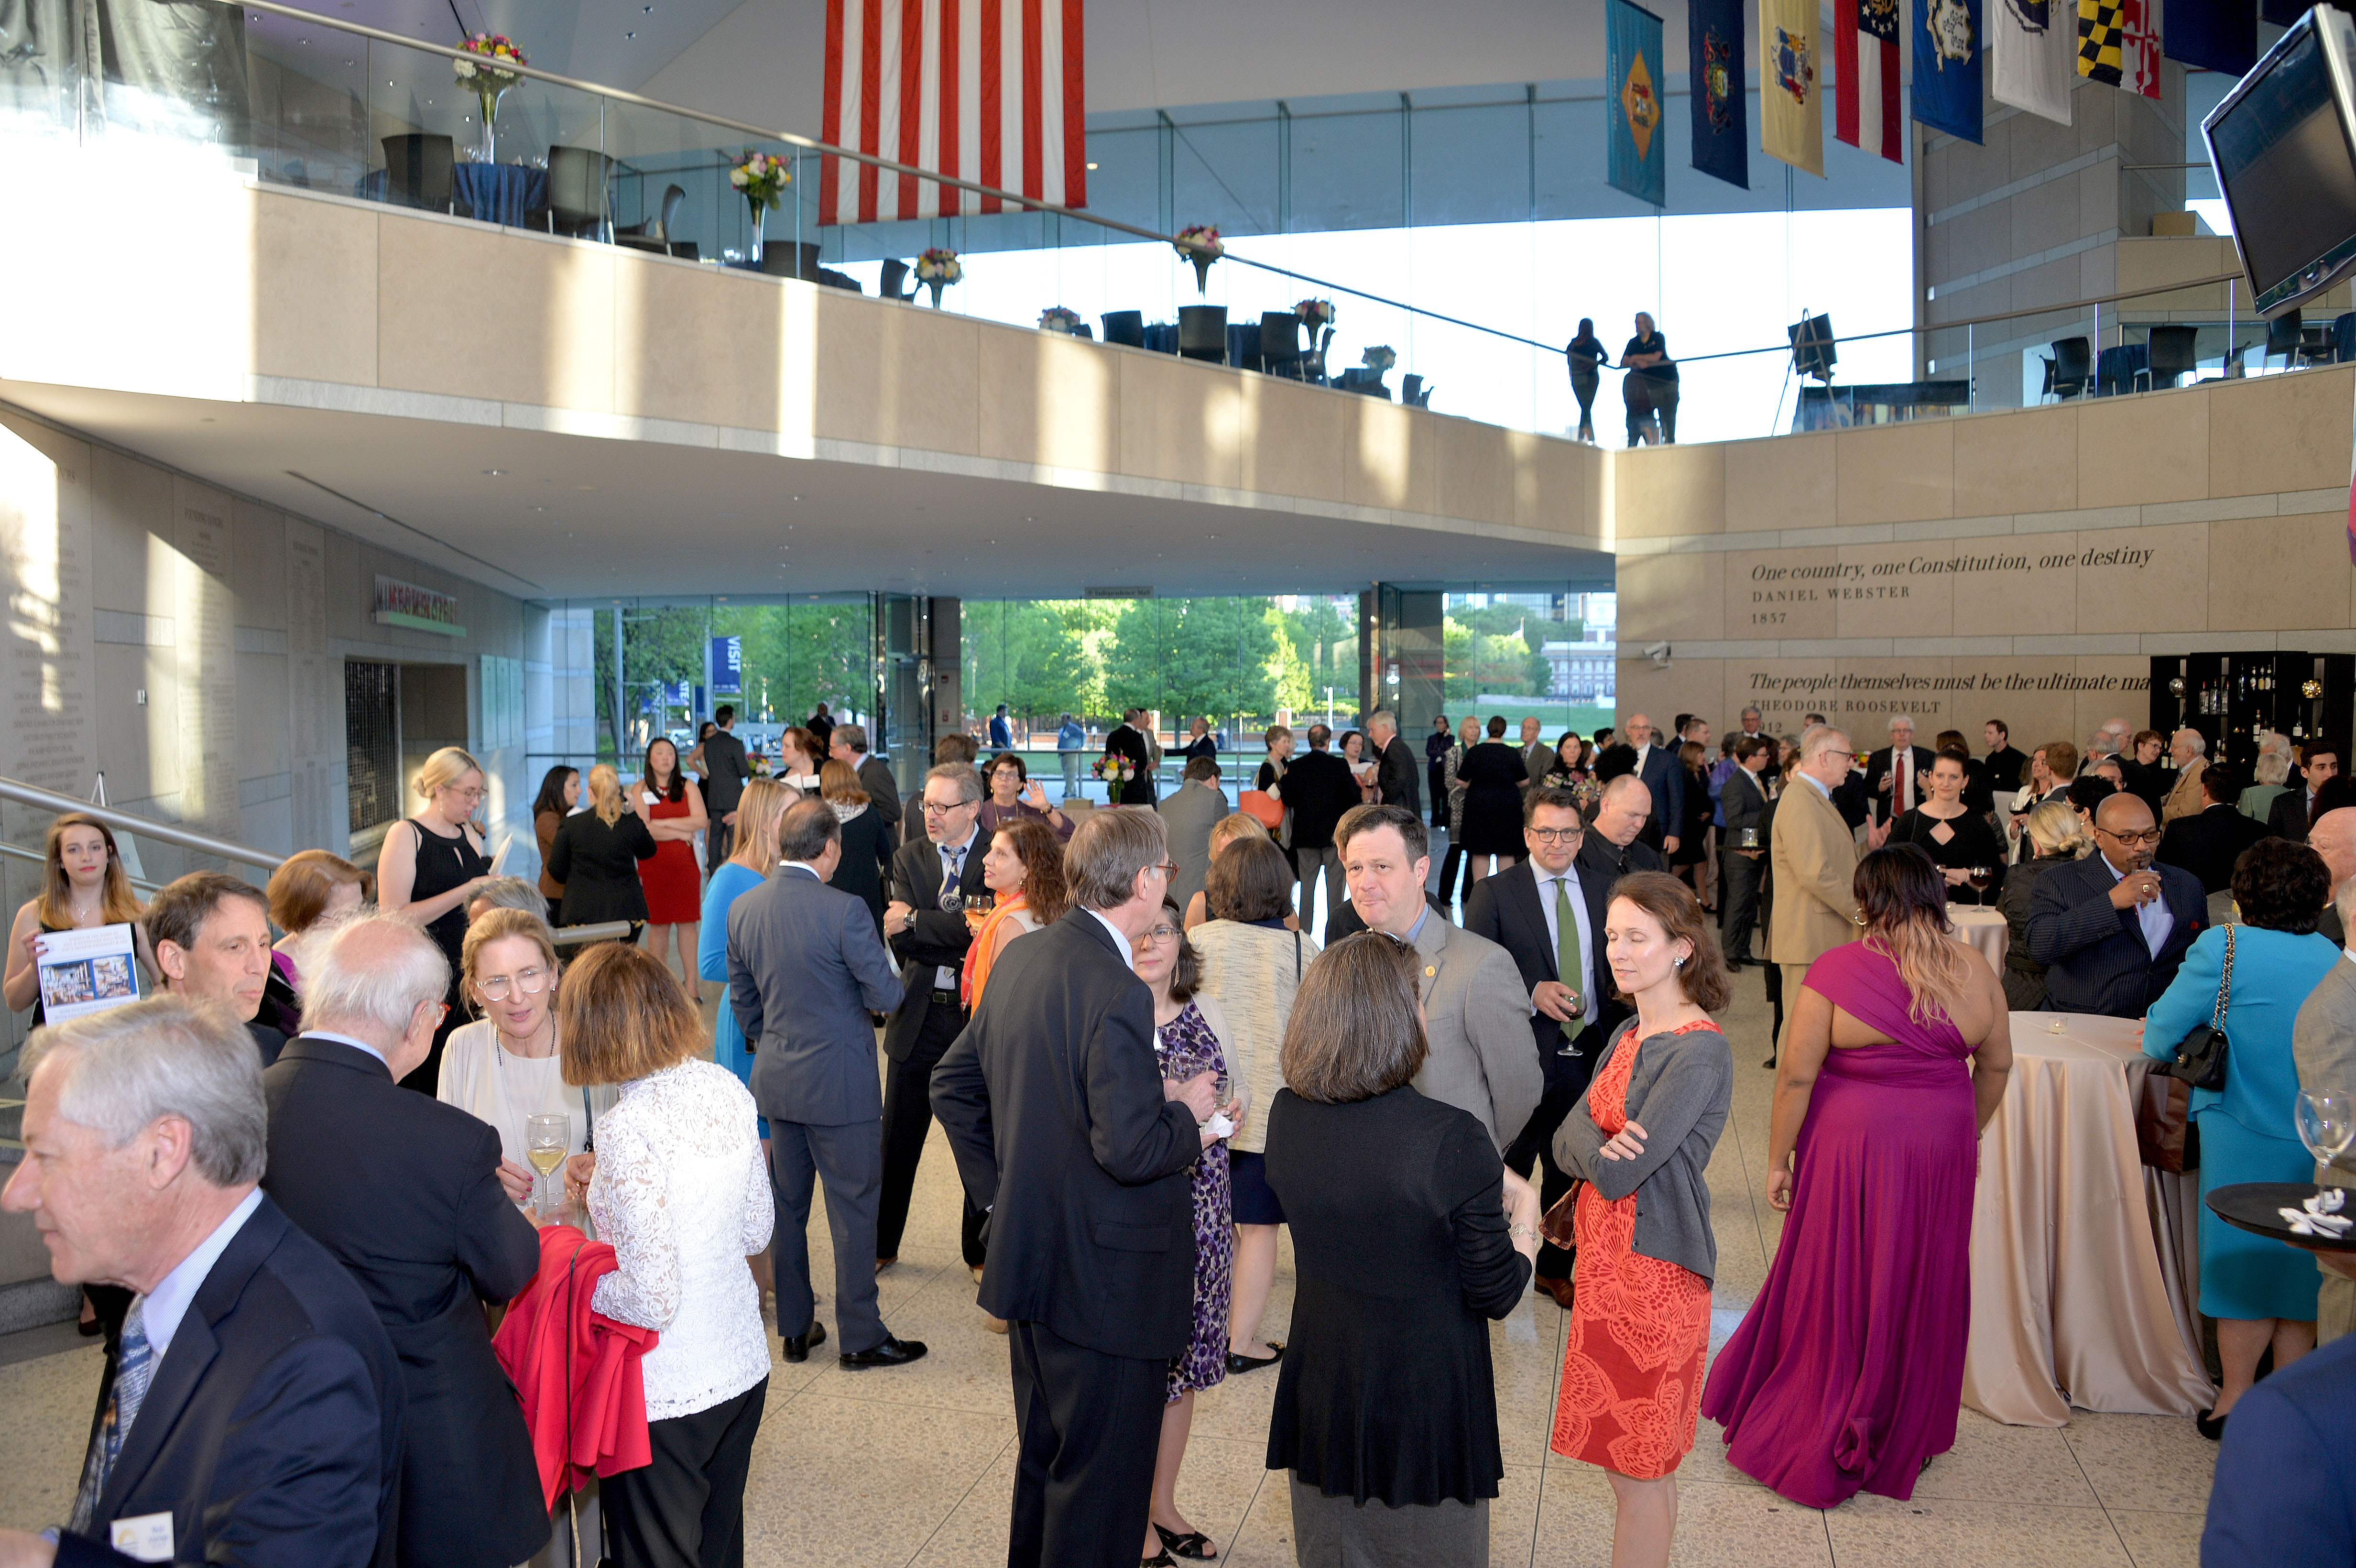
[1641, 1139]
[673, 808]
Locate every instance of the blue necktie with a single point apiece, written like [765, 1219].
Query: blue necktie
[135, 1367]
[952, 872]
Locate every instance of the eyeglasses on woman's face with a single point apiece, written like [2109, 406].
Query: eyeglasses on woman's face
[470, 794]
[1162, 935]
[531, 982]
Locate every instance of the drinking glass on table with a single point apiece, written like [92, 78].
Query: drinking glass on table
[1980, 877]
[2327, 1123]
[547, 1138]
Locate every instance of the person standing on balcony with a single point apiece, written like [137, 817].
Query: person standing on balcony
[1646, 359]
[1588, 359]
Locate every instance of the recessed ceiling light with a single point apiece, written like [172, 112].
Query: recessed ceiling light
[494, 473]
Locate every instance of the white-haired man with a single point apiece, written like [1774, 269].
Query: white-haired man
[1897, 778]
[2189, 748]
[250, 1410]
[1813, 854]
[405, 1190]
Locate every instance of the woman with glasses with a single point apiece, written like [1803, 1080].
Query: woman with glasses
[430, 867]
[503, 1067]
[1013, 795]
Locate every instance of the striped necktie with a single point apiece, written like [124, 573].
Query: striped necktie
[134, 1369]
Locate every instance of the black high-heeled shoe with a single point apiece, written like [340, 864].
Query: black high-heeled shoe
[1188, 1545]
[2209, 1425]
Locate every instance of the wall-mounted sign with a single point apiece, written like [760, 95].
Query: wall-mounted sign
[400, 604]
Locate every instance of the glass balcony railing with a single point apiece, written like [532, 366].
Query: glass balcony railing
[1466, 319]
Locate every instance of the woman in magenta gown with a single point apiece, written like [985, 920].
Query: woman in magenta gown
[1848, 1370]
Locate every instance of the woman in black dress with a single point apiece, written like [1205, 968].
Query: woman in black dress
[1492, 775]
[431, 865]
[596, 856]
[866, 836]
[1691, 861]
[1956, 837]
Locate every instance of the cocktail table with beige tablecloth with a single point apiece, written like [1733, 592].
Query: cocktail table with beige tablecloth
[2083, 1261]
[1984, 928]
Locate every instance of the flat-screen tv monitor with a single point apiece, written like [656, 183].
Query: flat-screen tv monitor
[2284, 146]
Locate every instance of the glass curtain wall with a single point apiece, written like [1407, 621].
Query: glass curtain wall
[1532, 651]
[1236, 663]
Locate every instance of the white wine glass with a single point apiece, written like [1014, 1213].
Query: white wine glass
[2327, 1123]
[547, 1139]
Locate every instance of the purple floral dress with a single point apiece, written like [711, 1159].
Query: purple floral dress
[1185, 1047]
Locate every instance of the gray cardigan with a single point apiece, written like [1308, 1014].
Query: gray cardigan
[1680, 1091]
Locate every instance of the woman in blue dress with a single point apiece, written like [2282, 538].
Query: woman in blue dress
[2260, 1292]
[758, 812]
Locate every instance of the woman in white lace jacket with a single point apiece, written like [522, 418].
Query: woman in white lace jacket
[677, 1187]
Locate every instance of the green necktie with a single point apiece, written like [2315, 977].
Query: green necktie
[1569, 953]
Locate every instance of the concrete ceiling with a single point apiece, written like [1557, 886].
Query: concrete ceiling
[576, 517]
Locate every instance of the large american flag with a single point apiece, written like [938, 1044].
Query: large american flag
[988, 90]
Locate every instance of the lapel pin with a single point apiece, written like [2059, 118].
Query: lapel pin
[1429, 970]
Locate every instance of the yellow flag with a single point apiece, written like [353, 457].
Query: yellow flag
[1791, 65]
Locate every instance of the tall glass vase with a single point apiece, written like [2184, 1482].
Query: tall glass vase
[753, 245]
[487, 146]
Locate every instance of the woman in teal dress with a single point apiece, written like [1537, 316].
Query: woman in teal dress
[758, 811]
[2260, 1292]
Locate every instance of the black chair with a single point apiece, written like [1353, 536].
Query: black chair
[417, 171]
[2072, 372]
[1279, 343]
[1202, 332]
[2169, 351]
[1125, 327]
[895, 273]
[653, 233]
[579, 201]
[1414, 394]
[2281, 337]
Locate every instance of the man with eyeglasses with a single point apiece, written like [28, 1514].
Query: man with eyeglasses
[931, 877]
[2112, 929]
[1550, 920]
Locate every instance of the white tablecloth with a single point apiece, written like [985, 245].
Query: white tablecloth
[2082, 1261]
[1983, 928]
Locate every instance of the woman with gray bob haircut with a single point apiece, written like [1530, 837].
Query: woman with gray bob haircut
[131, 1065]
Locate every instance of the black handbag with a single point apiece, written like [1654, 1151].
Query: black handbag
[2199, 1058]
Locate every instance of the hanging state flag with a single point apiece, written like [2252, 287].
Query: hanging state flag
[1865, 98]
[2213, 35]
[1947, 65]
[2032, 55]
[1631, 71]
[989, 90]
[2118, 45]
[1716, 64]
[1791, 118]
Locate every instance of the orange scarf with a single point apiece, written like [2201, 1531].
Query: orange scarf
[977, 966]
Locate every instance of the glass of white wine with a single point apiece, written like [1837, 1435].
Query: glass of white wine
[547, 1139]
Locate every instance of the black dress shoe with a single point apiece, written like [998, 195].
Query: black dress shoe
[1253, 1364]
[891, 1352]
[798, 1349]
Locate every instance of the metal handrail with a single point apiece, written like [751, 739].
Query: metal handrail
[163, 832]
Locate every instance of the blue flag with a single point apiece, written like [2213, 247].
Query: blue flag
[1717, 55]
[1634, 79]
[2215, 35]
[1947, 40]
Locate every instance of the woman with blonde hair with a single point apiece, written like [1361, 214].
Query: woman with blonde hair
[866, 836]
[758, 811]
[429, 865]
[677, 1186]
[2054, 832]
[1847, 1373]
[1024, 870]
[82, 885]
[1226, 830]
[596, 856]
[309, 886]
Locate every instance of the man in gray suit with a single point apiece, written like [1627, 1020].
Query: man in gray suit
[1538, 757]
[2323, 1039]
[1477, 1010]
[1187, 814]
[805, 969]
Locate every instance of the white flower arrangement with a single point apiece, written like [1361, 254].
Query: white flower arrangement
[481, 76]
[761, 179]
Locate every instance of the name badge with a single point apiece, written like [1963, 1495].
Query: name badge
[653, 799]
[147, 1538]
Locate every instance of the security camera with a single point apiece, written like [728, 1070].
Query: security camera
[1659, 653]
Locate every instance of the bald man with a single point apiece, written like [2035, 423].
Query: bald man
[1656, 764]
[2333, 836]
[2112, 929]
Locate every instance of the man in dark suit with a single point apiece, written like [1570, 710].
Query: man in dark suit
[1656, 764]
[1125, 740]
[723, 760]
[1319, 789]
[2112, 929]
[1551, 919]
[2007, 768]
[1395, 776]
[250, 1410]
[210, 936]
[2294, 809]
[848, 743]
[820, 725]
[1742, 855]
[930, 938]
[805, 970]
[1898, 776]
[405, 1191]
[1054, 1104]
[2333, 836]
[2207, 843]
[1754, 728]
[1614, 845]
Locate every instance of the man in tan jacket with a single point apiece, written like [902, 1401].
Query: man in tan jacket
[1813, 855]
[2184, 800]
[2323, 1039]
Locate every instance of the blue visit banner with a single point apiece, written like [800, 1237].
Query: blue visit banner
[1715, 59]
[1947, 40]
[1635, 79]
